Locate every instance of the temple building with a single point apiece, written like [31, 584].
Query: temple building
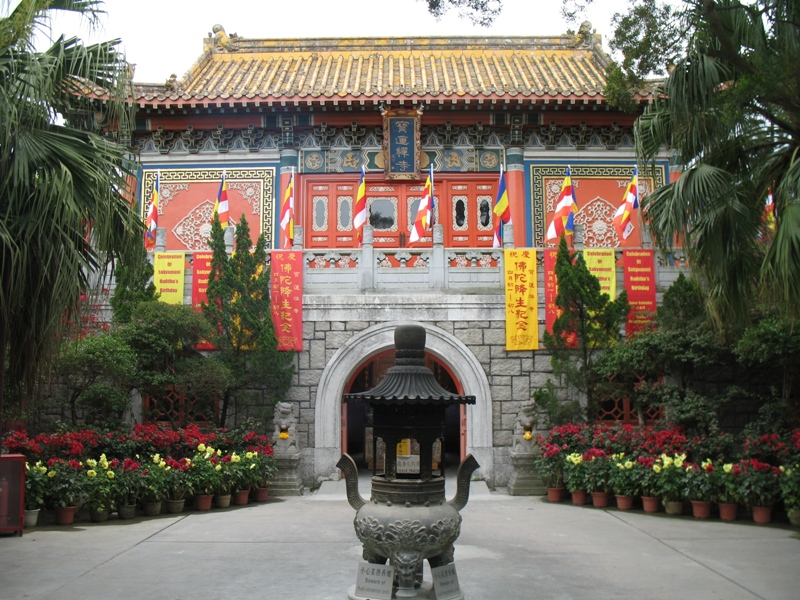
[269, 119]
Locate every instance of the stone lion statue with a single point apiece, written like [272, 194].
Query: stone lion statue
[285, 426]
[524, 426]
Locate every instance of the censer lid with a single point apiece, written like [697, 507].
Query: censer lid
[409, 381]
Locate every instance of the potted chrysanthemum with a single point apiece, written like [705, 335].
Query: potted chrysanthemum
[35, 487]
[100, 487]
[759, 488]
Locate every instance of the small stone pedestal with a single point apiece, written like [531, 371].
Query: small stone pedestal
[288, 482]
[524, 480]
[424, 592]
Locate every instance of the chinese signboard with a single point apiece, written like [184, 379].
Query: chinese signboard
[287, 299]
[401, 144]
[522, 304]
[550, 289]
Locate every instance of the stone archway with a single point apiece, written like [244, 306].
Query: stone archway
[375, 339]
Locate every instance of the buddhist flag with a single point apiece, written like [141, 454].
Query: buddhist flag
[502, 210]
[221, 205]
[566, 207]
[287, 213]
[769, 211]
[424, 218]
[623, 221]
[151, 222]
[360, 212]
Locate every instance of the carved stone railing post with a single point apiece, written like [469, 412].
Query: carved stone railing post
[228, 236]
[297, 244]
[366, 266]
[438, 276]
[161, 239]
[508, 235]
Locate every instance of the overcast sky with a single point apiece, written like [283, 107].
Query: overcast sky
[162, 37]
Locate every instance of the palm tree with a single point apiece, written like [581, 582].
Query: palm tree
[730, 111]
[65, 192]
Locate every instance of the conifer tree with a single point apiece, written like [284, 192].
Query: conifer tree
[238, 309]
[589, 322]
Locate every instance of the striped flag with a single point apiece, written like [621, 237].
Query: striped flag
[502, 210]
[360, 212]
[287, 214]
[566, 207]
[623, 218]
[769, 211]
[151, 222]
[424, 219]
[221, 205]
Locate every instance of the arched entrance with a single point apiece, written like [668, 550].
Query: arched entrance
[357, 417]
[353, 354]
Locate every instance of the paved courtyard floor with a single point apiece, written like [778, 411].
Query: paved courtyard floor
[305, 548]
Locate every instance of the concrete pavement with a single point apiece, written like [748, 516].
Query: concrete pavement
[305, 548]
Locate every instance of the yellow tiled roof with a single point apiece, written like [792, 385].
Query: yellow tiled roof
[326, 70]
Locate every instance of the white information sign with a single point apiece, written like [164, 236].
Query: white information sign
[445, 582]
[374, 581]
[408, 464]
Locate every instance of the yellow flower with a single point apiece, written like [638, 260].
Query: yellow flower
[42, 468]
[657, 468]
[218, 468]
[235, 458]
[728, 467]
[91, 473]
[91, 462]
[110, 474]
[51, 473]
[667, 461]
[706, 463]
[201, 447]
[249, 455]
[219, 452]
[162, 464]
[628, 464]
[253, 466]
[156, 459]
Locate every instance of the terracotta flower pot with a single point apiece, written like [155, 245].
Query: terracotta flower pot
[555, 494]
[701, 509]
[65, 515]
[241, 497]
[579, 497]
[762, 515]
[673, 507]
[203, 501]
[624, 502]
[651, 504]
[727, 511]
[260, 494]
[600, 499]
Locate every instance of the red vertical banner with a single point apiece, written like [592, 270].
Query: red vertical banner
[640, 283]
[550, 289]
[201, 270]
[287, 298]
